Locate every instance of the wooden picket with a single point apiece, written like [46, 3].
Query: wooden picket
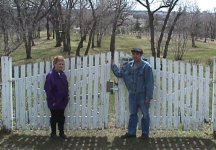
[7, 103]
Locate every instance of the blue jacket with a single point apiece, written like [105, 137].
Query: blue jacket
[56, 88]
[139, 80]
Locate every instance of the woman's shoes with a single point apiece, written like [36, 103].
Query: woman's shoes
[63, 136]
[53, 136]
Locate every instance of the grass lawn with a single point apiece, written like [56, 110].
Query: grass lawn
[45, 49]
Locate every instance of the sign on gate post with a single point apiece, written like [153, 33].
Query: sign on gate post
[7, 106]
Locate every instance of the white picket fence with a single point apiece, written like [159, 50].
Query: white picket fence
[24, 99]
[181, 95]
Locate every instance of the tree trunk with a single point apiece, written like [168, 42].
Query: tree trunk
[112, 42]
[162, 33]
[205, 40]
[68, 43]
[66, 39]
[58, 20]
[90, 37]
[93, 39]
[18, 38]
[89, 44]
[48, 29]
[99, 39]
[151, 25]
[28, 44]
[53, 34]
[193, 40]
[80, 45]
[6, 40]
[58, 38]
[33, 43]
[38, 32]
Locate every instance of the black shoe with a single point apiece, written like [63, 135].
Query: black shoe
[53, 136]
[127, 136]
[63, 136]
[144, 137]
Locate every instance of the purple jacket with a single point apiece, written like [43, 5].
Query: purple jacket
[56, 88]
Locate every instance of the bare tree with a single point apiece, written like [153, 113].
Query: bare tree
[180, 43]
[172, 5]
[29, 14]
[68, 5]
[103, 26]
[119, 16]
[194, 23]
[148, 4]
[104, 21]
[84, 22]
[48, 27]
[213, 25]
[93, 27]
[55, 17]
[205, 26]
[92, 19]
[99, 11]
[5, 21]
[180, 37]
[179, 13]
[9, 27]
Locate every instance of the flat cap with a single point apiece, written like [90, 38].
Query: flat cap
[139, 50]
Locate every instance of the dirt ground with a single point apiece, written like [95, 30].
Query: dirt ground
[107, 139]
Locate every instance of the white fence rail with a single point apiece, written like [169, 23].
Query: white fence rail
[181, 95]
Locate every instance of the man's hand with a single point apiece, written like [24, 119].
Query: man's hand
[147, 101]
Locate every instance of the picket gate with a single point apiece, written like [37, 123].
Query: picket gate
[24, 103]
[182, 94]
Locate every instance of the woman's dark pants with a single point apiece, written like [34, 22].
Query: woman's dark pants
[57, 117]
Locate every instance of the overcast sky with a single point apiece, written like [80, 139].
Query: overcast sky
[204, 5]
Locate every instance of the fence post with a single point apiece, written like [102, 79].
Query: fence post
[7, 105]
[214, 99]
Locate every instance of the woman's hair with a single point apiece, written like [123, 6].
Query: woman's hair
[57, 59]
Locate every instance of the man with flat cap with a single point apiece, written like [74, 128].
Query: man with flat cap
[138, 77]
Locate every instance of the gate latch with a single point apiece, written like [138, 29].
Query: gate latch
[109, 86]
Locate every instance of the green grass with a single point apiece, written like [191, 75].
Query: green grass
[45, 49]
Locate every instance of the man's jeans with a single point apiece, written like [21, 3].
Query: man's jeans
[136, 102]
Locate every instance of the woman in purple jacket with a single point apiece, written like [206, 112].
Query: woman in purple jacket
[56, 88]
